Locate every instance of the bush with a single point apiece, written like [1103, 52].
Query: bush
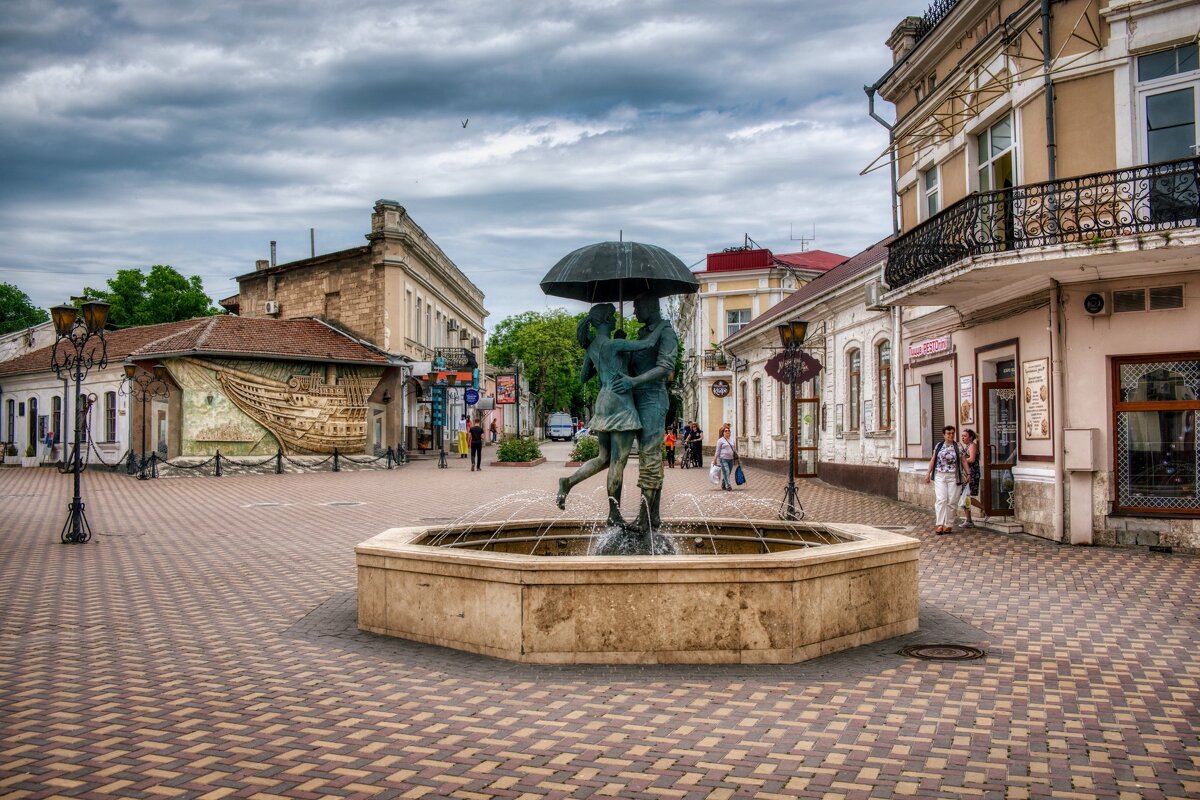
[517, 448]
[11, 450]
[586, 448]
[30, 451]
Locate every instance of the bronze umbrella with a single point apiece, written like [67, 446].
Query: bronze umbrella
[612, 272]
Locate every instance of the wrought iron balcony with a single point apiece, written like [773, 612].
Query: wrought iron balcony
[715, 361]
[1086, 209]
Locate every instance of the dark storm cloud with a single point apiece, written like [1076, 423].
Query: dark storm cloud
[140, 132]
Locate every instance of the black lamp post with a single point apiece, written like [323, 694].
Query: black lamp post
[791, 336]
[145, 386]
[79, 346]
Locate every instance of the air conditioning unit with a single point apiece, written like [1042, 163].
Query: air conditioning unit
[1097, 304]
[271, 307]
[474, 342]
[464, 334]
[872, 293]
[452, 325]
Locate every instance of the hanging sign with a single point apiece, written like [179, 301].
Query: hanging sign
[720, 388]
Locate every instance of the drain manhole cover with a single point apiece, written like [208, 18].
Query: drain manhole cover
[435, 519]
[266, 505]
[342, 503]
[942, 652]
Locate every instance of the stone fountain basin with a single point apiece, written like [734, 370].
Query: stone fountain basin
[732, 606]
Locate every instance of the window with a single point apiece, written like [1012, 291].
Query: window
[854, 398]
[1155, 445]
[736, 320]
[781, 419]
[742, 398]
[437, 327]
[996, 156]
[883, 370]
[758, 406]
[12, 419]
[929, 178]
[110, 416]
[56, 418]
[429, 325]
[1168, 92]
[417, 323]
[33, 415]
[1165, 63]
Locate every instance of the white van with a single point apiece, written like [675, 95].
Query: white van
[560, 426]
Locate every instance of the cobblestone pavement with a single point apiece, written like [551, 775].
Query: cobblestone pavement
[204, 645]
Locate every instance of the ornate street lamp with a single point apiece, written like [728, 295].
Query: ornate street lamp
[79, 346]
[791, 336]
[145, 386]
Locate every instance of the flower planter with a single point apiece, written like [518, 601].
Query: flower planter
[533, 463]
[29, 461]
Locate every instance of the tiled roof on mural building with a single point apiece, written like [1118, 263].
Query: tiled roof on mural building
[222, 335]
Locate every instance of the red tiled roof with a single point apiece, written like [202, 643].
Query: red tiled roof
[292, 339]
[120, 344]
[260, 337]
[849, 268]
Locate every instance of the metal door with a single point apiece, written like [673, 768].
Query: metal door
[999, 447]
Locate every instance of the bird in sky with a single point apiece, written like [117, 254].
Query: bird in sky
[465, 121]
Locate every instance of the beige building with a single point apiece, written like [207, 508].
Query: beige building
[1047, 187]
[735, 287]
[399, 292]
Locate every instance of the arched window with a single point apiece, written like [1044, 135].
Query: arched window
[741, 428]
[883, 372]
[854, 393]
[110, 416]
[33, 421]
[758, 406]
[56, 418]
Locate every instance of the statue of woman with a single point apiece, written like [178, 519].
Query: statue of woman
[615, 421]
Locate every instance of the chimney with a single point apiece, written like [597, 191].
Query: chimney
[272, 252]
[904, 37]
[261, 264]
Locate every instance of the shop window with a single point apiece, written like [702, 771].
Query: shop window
[854, 394]
[883, 369]
[1155, 447]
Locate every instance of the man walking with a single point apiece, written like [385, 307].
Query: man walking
[475, 434]
[651, 370]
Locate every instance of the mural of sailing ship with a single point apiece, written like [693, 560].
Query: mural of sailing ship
[304, 413]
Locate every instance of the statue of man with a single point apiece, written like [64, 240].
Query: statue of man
[651, 371]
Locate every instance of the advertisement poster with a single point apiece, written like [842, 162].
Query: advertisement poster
[1035, 391]
[506, 390]
[966, 400]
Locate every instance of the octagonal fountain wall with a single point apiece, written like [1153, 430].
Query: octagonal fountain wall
[530, 593]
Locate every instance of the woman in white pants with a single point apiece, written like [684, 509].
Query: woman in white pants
[948, 470]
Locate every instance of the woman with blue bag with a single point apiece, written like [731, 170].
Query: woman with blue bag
[726, 457]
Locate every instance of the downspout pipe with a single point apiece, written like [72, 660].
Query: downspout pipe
[1056, 409]
[870, 90]
[1048, 89]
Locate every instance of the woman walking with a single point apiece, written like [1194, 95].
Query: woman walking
[725, 457]
[948, 472]
[970, 441]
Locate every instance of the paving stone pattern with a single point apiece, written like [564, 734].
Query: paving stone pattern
[204, 645]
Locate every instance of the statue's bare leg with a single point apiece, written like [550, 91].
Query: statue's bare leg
[585, 471]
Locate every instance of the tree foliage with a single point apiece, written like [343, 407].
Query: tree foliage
[17, 311]
[162, 295]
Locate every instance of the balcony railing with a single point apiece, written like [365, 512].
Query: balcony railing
[1087, 209]
[936, 12]
[715, 361]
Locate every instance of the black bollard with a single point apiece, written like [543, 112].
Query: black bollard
[218, 463]
[336, 467]
[279, 461]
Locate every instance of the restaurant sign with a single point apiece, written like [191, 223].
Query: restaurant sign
[929, 347]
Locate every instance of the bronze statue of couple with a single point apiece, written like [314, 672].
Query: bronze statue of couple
[632, 402]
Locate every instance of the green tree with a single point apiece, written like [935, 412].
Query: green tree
[162, 295]
[17, 311]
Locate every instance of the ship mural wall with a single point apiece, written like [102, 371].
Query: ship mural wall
[244, 407]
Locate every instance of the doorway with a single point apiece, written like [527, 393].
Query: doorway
[806, 411]
[999, 448]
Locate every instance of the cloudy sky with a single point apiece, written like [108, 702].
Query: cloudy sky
[137, 132]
